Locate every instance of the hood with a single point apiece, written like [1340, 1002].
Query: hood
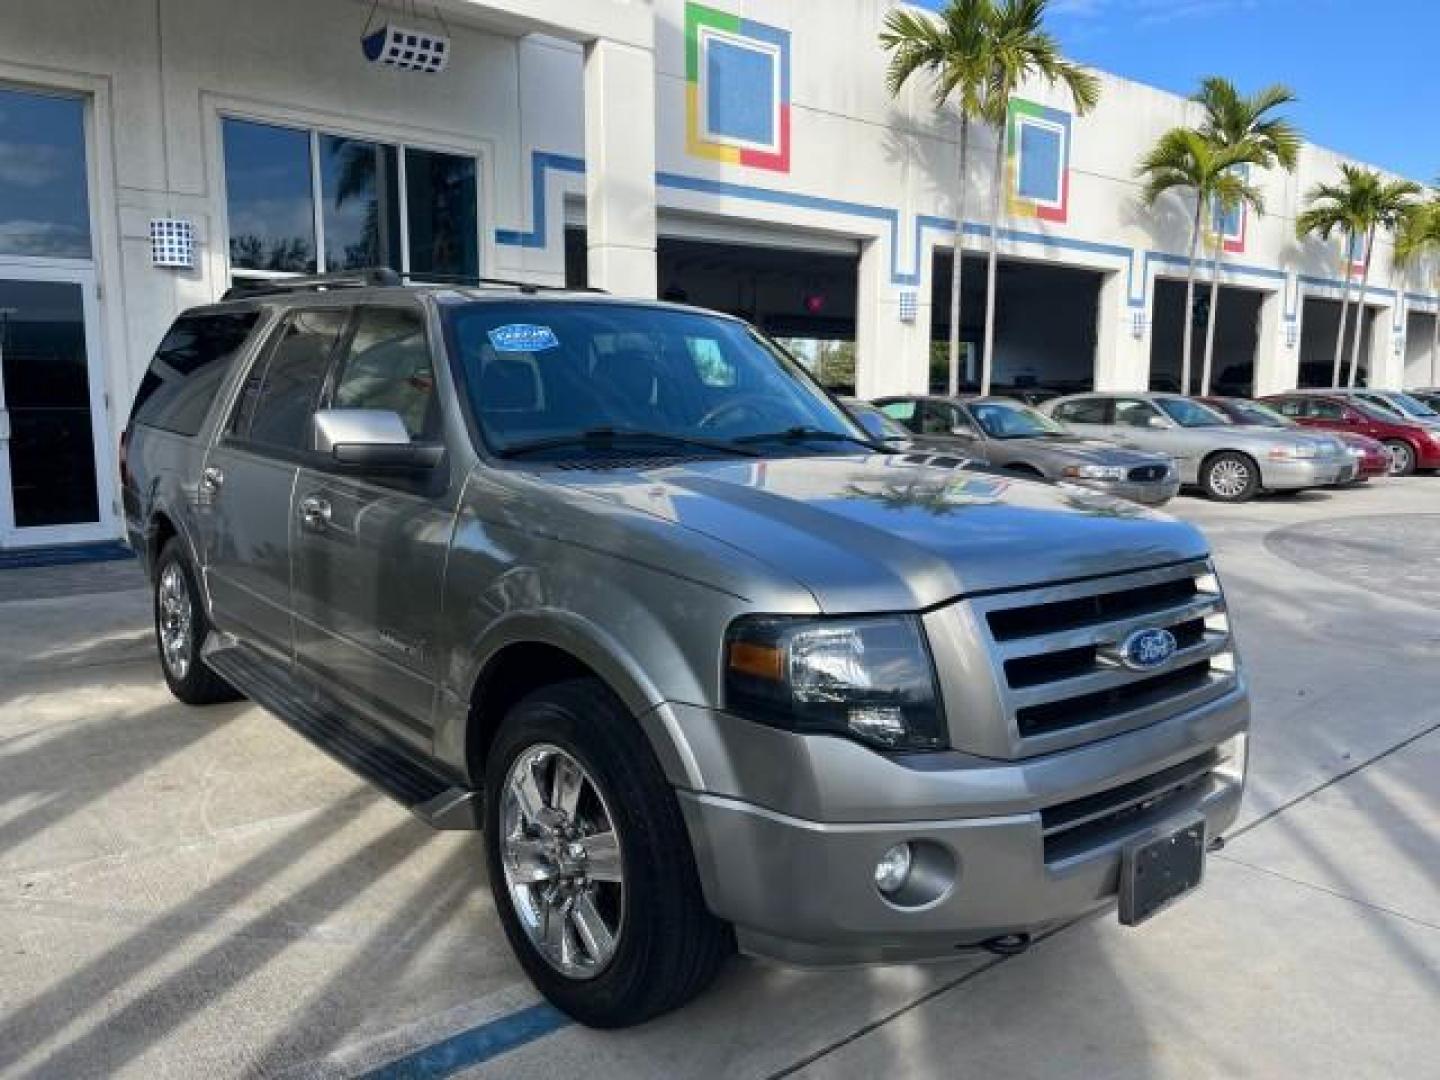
[874, 533]
[1263, 438]
[1076, 448]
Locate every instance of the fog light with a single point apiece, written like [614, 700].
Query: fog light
[893, 869]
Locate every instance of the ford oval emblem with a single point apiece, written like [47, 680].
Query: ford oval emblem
[1146, 650]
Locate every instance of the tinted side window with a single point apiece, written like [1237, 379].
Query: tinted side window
[387, 366]
[1132, 413]
[276, 405]
[188, 368]
[1326, 410]
[905, 412]
[1289, 407]
[935, 418]
[1084, 411]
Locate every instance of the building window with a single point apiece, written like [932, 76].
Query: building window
[379, 204]
[44, 206]
[1041, 151]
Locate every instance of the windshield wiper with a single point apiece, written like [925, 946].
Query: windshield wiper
[804, 433]
[604, 438]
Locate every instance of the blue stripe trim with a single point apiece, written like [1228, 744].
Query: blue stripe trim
[542, 162]
[64, 555]
[475, 1046]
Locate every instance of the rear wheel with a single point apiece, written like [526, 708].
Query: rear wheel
[1402, 457]
[1230, 477]
[590, 863]
[181, 627]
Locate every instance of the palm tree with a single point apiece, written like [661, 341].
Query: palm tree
[1362, 204]
[1416, 238]
[1185, 160]
[979, 53]
[952, 50]
[1020, 50]
[1245, 124]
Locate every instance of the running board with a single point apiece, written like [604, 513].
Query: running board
[416, 786]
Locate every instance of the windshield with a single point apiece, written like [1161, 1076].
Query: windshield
[576, 377]
[1188, 413]
[1012, 420]
[1257, 415]
[1411, 406]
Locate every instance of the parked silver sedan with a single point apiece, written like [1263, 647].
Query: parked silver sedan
[1010, 435]
[1228, 462]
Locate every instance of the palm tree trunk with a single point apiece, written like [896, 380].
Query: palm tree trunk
[1360, 310]
[1206, 365]
[1435, 347]
[1188, 329]
[959, 258]
[1344, 315]
[987, 359]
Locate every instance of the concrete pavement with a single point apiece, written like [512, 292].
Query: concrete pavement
[193, 892]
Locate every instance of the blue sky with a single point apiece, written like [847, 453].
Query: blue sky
[1366, 72]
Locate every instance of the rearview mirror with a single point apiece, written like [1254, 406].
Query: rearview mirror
[372, 439]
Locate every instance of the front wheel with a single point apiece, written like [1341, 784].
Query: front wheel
[590, 863]
[1402, 457]
[1230, 477]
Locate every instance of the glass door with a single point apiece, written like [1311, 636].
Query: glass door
[55, 482]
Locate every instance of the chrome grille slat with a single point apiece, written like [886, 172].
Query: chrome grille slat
[1058, 820]
[1109, 675]
[1108, 633]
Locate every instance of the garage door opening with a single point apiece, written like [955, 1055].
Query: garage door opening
[1045, 325]
[1422, 356]
[1237, 331]
[1319, 326]
[803, 298]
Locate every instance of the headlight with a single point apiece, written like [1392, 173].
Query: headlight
[1293, 450]
[869, 679]
[1095, 472]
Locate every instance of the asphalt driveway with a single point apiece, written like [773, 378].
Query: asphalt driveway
[200, 893]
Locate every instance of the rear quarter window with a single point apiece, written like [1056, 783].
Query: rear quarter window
[185, 375]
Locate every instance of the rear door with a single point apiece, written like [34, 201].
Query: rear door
[245, 488]
[369, 551]
[1087, 416]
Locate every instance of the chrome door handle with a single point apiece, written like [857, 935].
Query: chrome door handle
[212, 479]
[314, 512]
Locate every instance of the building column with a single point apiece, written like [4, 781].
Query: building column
[892, 355]
[1277, 363]
[620, 167]
[1122, 358]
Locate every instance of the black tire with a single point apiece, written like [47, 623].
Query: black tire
[669, 947]
[1230, 477]
[1402, 457]
[196, 684]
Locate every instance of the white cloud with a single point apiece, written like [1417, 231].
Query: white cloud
[29, 165]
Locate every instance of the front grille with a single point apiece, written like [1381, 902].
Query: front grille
[1063, 676]
[1082, 824]
[1145, 474]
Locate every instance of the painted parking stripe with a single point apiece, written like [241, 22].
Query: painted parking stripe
[475, 1046]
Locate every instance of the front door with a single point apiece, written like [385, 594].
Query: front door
[369, 552]
[55, 464]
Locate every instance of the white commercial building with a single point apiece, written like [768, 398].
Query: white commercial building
[739, 154]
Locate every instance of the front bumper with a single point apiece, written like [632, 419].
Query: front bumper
[1316, 472]
[1149, 493]
[799, 887]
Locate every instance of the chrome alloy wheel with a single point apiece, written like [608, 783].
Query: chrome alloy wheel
[1401, 458]
[1229, 478]
[562, 861]
[175, 620]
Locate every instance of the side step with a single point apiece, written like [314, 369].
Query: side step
[423, 791]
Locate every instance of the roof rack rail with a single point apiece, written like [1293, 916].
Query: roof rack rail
[504, 283]
[369, 277]
[379, 277]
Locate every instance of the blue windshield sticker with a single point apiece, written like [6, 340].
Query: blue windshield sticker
[522, 337]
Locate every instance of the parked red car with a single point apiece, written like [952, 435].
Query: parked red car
[1371, 457]
[1410, 445]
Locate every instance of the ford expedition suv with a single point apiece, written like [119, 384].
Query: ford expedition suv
[617, 584]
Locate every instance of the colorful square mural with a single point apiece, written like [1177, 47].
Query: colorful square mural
[1230, 226]
[737, 89]
[1354, 246]
[1037, 156]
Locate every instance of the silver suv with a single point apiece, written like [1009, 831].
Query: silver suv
[619, 584]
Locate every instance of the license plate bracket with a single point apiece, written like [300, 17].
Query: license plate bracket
[1154, 873]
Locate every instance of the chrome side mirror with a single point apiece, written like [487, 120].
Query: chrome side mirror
[372, 439]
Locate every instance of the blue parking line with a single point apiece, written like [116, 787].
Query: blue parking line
[477, 1045]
